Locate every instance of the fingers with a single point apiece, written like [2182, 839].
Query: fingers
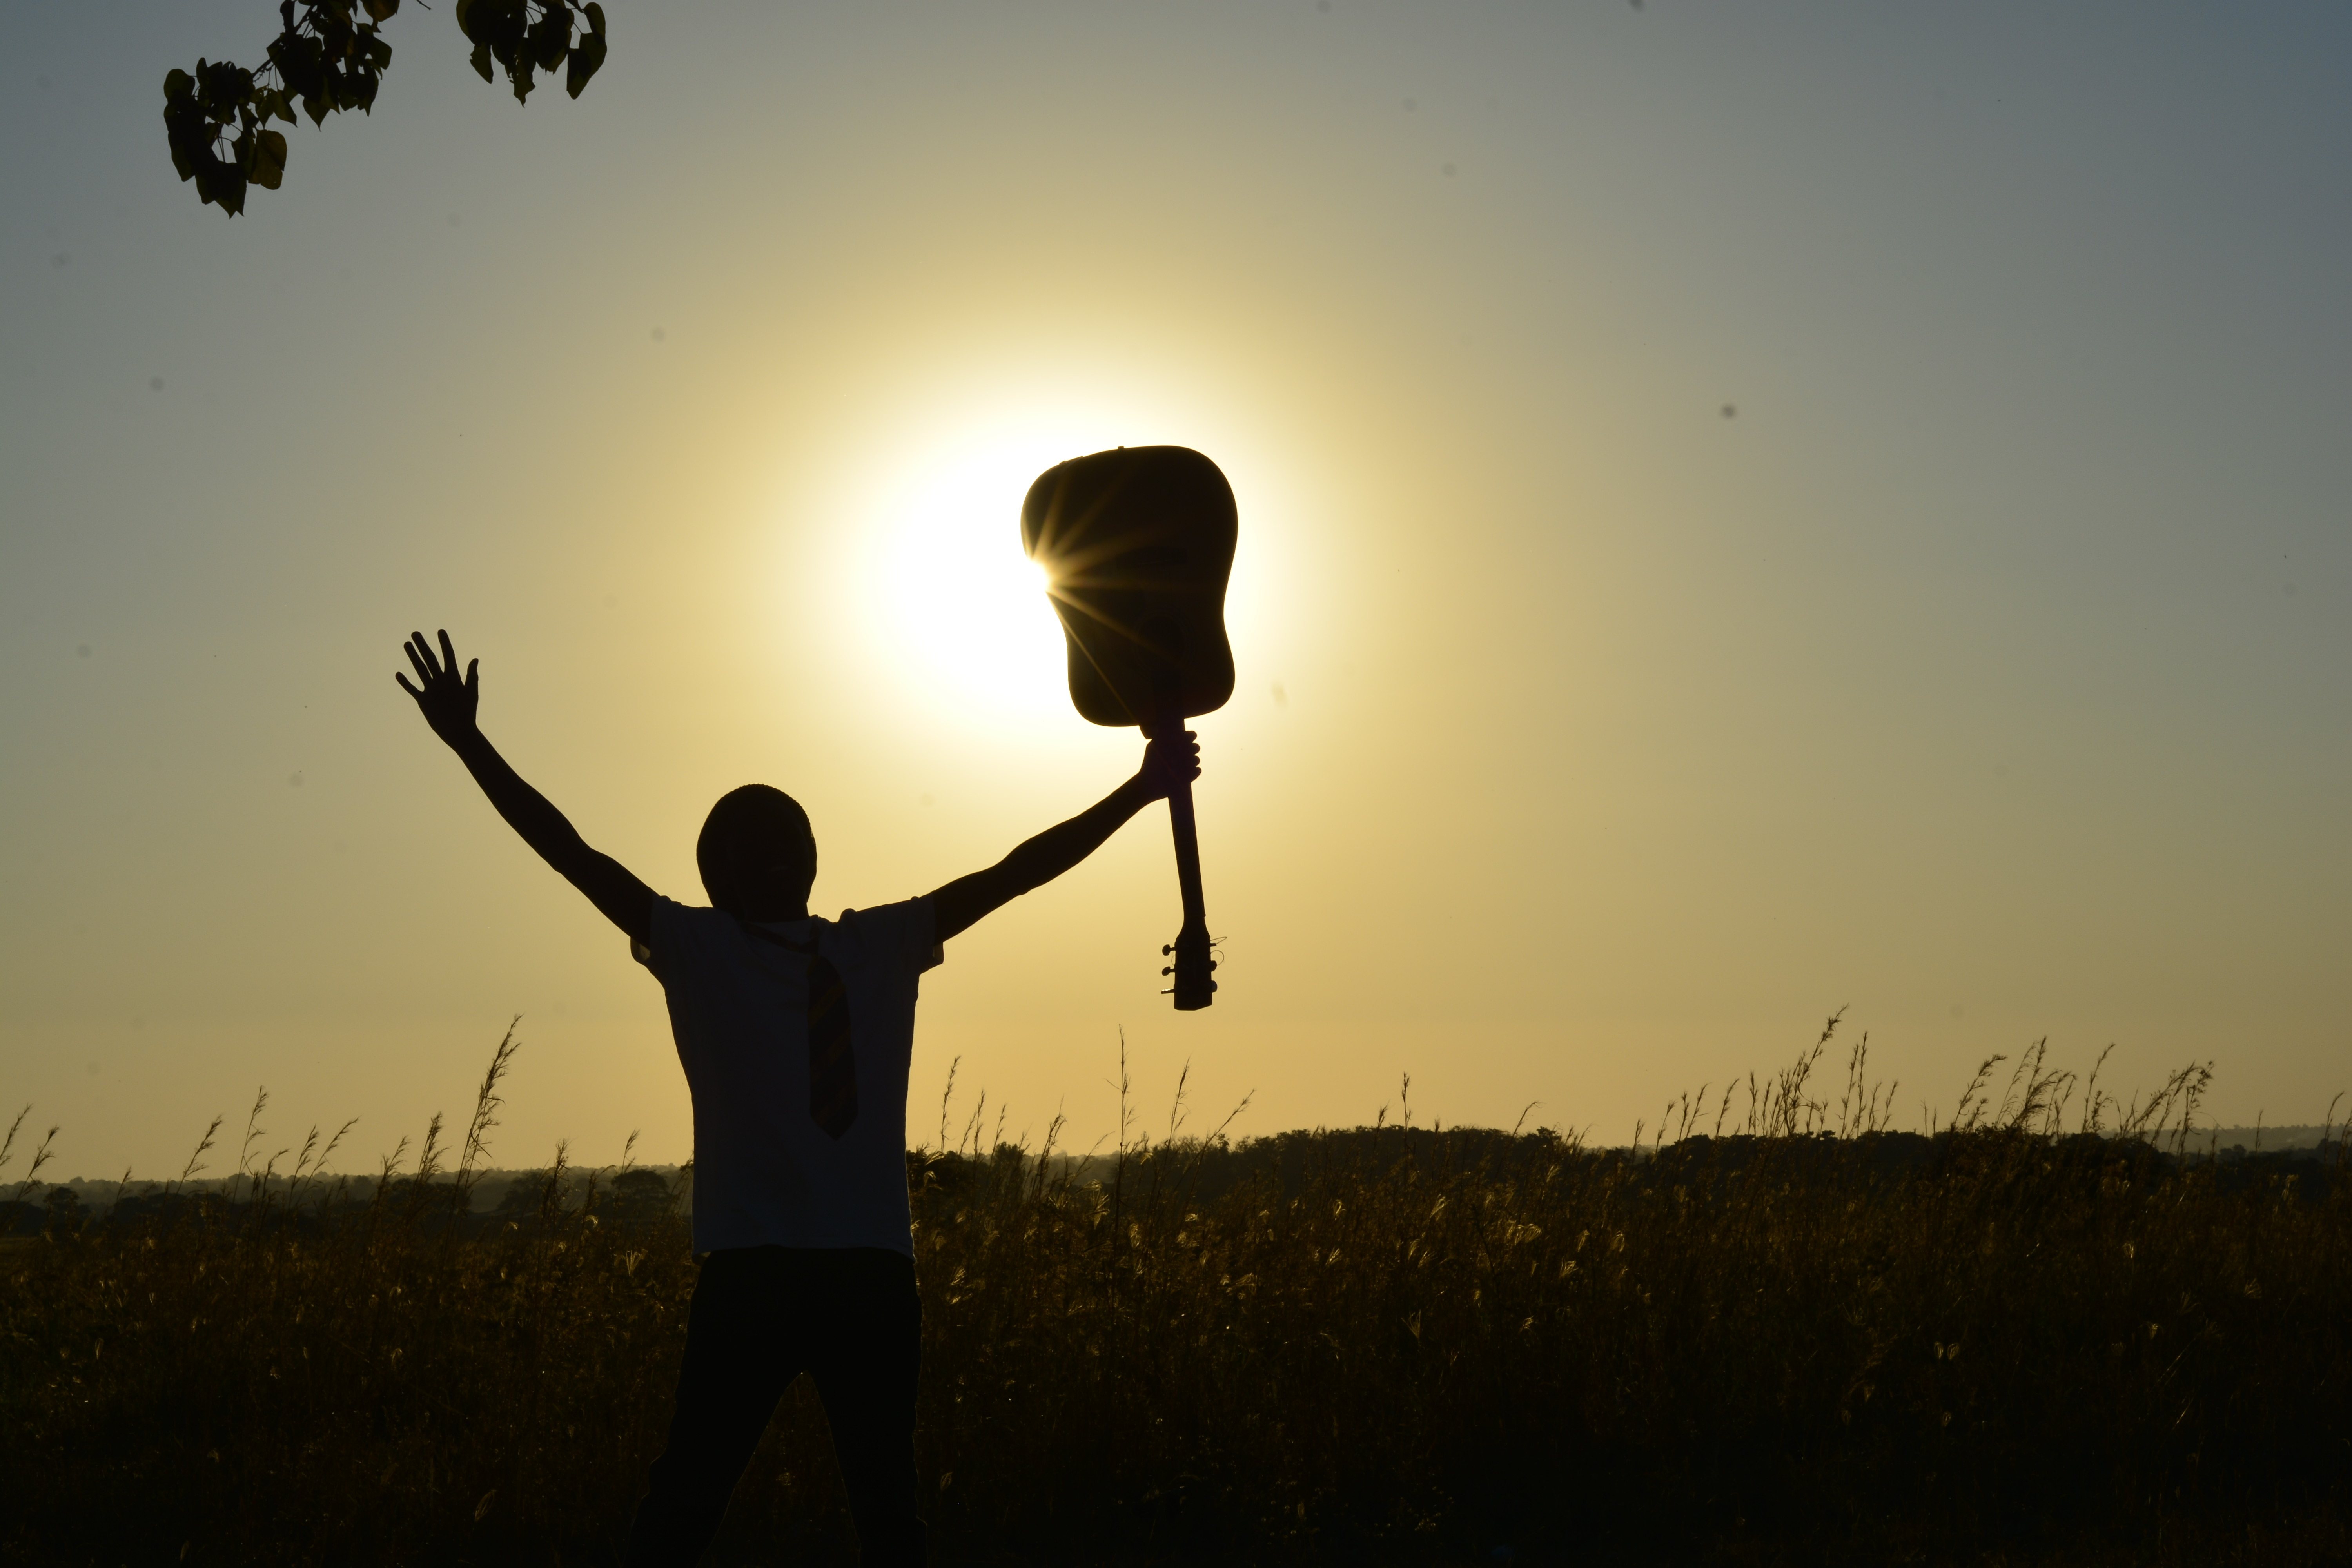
[1169, 760]
[406, 686]
[431, 666]
[473, 674]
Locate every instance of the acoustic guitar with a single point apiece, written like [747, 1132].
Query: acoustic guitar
[1138, 543]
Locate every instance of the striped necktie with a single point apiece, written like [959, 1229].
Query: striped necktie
[832, 1064]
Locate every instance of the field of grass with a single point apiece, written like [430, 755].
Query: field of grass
[1779, 1333]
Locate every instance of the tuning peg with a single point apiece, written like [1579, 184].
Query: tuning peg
[1169, 971]
[1169, 948]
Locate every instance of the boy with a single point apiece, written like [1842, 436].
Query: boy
[794, 1033]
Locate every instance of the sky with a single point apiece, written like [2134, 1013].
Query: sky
[1745, 511]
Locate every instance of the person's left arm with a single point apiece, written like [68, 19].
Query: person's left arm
[961, 904]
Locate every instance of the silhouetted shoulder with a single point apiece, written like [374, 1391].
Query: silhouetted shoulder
[677, 928]
[906, 932]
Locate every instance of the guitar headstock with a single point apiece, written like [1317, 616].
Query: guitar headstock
[1194, 989]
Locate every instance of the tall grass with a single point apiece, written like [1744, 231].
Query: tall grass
[2023, 1339]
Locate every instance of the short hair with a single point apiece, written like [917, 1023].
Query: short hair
[755, 826]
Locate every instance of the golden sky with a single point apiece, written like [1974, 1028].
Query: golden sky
[1744, 512]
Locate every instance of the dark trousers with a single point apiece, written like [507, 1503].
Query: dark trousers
[849, 1318]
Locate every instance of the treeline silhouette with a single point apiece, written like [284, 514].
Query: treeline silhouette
[1808, 1339]
[633, 1195]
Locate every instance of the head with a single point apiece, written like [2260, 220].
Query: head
[757, 854]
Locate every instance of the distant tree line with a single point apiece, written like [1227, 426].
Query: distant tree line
[1212, 1168]
[633, 1197]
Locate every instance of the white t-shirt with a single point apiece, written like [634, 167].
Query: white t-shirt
[764, 1172]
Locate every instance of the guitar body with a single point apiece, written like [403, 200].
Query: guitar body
[1137, 544]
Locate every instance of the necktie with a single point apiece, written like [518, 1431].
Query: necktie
[832, 1064]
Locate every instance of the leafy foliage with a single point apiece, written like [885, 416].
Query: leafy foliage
[330, 57]
[522, 35]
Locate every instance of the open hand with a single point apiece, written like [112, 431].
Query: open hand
[447, 702]
[1169, 761]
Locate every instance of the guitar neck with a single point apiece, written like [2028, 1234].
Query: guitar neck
[1188, 854]
[1194, 989]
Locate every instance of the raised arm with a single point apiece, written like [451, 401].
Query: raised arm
[960, 904]
[448, 704]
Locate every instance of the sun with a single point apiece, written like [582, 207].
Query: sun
[959, 612]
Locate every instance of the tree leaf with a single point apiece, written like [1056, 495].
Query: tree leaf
[301, 65]
[269, 159]
[177, 84]
[596, 22]
[182, 158]
[481, 58]
[381, 10]
[587, 54]
[551, 38]
[224, 184]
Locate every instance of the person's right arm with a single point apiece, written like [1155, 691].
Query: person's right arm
[448, 704]
[963, 902]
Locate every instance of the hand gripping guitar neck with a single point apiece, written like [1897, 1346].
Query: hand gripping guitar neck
[1138, 543]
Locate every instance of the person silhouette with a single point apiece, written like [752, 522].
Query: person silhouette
[794, 1032]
